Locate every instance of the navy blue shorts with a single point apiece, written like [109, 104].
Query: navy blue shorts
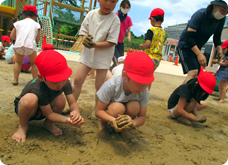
[188, 60]
[37, 116]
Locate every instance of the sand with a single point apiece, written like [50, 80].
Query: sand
[160, 141]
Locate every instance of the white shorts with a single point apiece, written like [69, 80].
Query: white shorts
[171, 112]
[8, 60]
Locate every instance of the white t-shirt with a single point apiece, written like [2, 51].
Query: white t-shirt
[102, 28]
[113, 91]
[26, 33]
[117, 70]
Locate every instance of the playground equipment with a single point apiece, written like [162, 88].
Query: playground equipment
[50, 20]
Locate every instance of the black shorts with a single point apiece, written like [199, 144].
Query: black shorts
[37, 116]
[188, 60]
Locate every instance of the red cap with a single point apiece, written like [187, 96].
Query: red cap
[5, 38]
[52, 65]
[157, 12]
[30, 8]
[139, 67]
[225, 44]
[207, 81]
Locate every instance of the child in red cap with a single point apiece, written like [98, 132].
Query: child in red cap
[42, 97]
[5, 41]
[26, 33]
[155, 37]
[189, 98]
[222, 73]
[126, 94]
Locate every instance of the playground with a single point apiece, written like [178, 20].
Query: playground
[161, 140]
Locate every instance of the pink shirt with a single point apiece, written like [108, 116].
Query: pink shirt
[123, 27]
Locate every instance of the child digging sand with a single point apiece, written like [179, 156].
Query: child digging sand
[42, 97]
[189, 98]
[124, 98]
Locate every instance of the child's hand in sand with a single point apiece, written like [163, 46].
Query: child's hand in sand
[76, 118]
[201, 118]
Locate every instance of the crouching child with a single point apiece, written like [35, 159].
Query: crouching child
[123, 99]
[42, 97]
[188, 99]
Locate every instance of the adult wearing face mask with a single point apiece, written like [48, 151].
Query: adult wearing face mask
[203, 24]
[125, 27]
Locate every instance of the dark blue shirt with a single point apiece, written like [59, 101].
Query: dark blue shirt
[205, 27]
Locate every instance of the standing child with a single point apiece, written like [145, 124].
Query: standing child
[5, 40]
[124, 98]
[42, 97]
[222, 73]
[155, 37]
[125, 27]
[26, 32]
[104, 27]
[188, 98]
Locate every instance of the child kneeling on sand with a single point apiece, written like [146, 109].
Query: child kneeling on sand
[125, 97]
[189, 98]
[42, 97]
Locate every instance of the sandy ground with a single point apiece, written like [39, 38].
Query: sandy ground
[160, 141]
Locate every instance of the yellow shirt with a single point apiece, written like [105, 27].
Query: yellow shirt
[155, 50]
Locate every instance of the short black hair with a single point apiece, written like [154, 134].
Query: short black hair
[158, 18]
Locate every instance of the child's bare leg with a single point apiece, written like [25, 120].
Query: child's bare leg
[34, 69]
[132, 109]
[108, 76]
[100, 79]
[79, 79]
[57, 106]
[222, 91]
[27, 108]
[17, 67]
[91, 74]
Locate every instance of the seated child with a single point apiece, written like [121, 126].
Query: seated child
[189, 98]
[10, 58]
[117, 70]
[5, 41]
[126, 94]
[42, 97]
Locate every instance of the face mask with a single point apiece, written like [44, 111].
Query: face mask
[124, 11]
[218, 15]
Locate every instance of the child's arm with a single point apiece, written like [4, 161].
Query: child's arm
[225, 63]
[76, 117]
[129, 34]
[38, 35]
[13, 34]
[145, 45]
[140, 120]
[102, 114]
[180, 109]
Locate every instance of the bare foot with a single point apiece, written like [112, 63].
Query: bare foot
[221, 101]
[91, 76]
[15, 82]
[92, 115]
[52, 128]
[217, 99]
[183, 120]
[20, 135]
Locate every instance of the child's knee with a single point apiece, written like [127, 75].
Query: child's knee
[29, 101]
[133, 108]
[115, 109]
[59, 101]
